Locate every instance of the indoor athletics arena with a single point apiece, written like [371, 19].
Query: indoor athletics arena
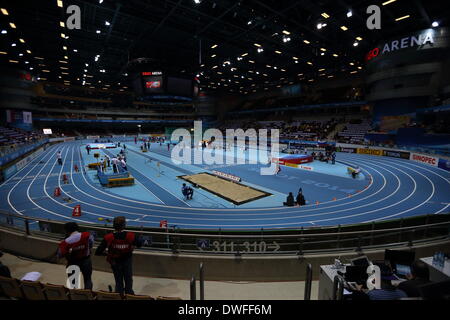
[227, 151]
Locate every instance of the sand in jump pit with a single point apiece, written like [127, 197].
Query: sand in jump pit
[231, 191]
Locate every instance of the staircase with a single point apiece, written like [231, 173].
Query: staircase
[339, 127]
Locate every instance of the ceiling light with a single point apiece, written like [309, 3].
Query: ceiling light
[61, 24]
[323, 49]
[245, 54]
[335, 55]
[13, 61]
[107, 23]
[260, 50]
[359, 38]
[214, 46]
[402, 18]
[388, 2]
[355, 44]
[214, 55]
[13, 45]
[64, 47]
[59, 3]
[276, 51]
[286, 32]
[325, 15]
[98, 31]
[257, 44]
[63, 35]
[4, 32]
[12, 25]
[349, 13]
[21, 40]
[5, 12]
[344, 28]
[435, 24]
[306, 41]
[3, 52]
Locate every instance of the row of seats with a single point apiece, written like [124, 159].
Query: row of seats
[30, 290]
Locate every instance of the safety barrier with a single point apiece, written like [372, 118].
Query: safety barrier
[299, 241]
[120, 182]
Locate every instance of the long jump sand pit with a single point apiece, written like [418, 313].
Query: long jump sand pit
[234, 192]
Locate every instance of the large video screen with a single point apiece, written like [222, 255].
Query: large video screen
[153, 82]
[180, 87]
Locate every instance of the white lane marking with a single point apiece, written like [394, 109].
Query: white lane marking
[18, 182]
[49, 211]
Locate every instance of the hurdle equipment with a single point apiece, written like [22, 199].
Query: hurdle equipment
[94, 165]
[57, 192]
[120, 182]
[76, 212]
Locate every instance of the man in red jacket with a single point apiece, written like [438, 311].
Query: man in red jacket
[120, 245]
[76, 248]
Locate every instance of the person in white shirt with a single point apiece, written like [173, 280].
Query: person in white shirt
[58, 155]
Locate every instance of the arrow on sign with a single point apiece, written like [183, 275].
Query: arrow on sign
[275, 246]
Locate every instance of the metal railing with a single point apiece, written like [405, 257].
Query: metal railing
[300, 241]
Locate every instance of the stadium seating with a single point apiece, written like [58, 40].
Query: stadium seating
[55, 292]
[138, 297]
[35, 290]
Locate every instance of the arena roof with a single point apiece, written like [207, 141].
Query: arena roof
[233, 45]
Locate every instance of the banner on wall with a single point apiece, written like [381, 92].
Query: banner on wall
[372, 152]
[430, 160]
[444, 164]
[27, 117]
[396, 154]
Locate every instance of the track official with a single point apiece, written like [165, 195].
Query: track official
[120, 246]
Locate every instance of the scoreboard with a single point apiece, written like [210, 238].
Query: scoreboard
[157, 82]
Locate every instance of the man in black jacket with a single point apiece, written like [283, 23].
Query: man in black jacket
[289, 200]
[420, 275]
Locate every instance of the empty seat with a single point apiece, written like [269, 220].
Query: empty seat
[81, 294]
[32, 290]
[104, 295]
[137, 297]
[168, 298]
[55, 292]
[11, 287]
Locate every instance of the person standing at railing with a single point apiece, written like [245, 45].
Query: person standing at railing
[76, 248]
[120, 246]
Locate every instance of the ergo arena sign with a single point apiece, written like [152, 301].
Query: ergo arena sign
[404, 43]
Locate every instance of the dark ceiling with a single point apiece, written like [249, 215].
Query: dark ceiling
[181, 34]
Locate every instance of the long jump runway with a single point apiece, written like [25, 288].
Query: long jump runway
[397, 188]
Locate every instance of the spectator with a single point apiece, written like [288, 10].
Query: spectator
[76, 248]
[4, 270]
[289, 200]
[333, 158]
[420, 275]
[120, 245]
